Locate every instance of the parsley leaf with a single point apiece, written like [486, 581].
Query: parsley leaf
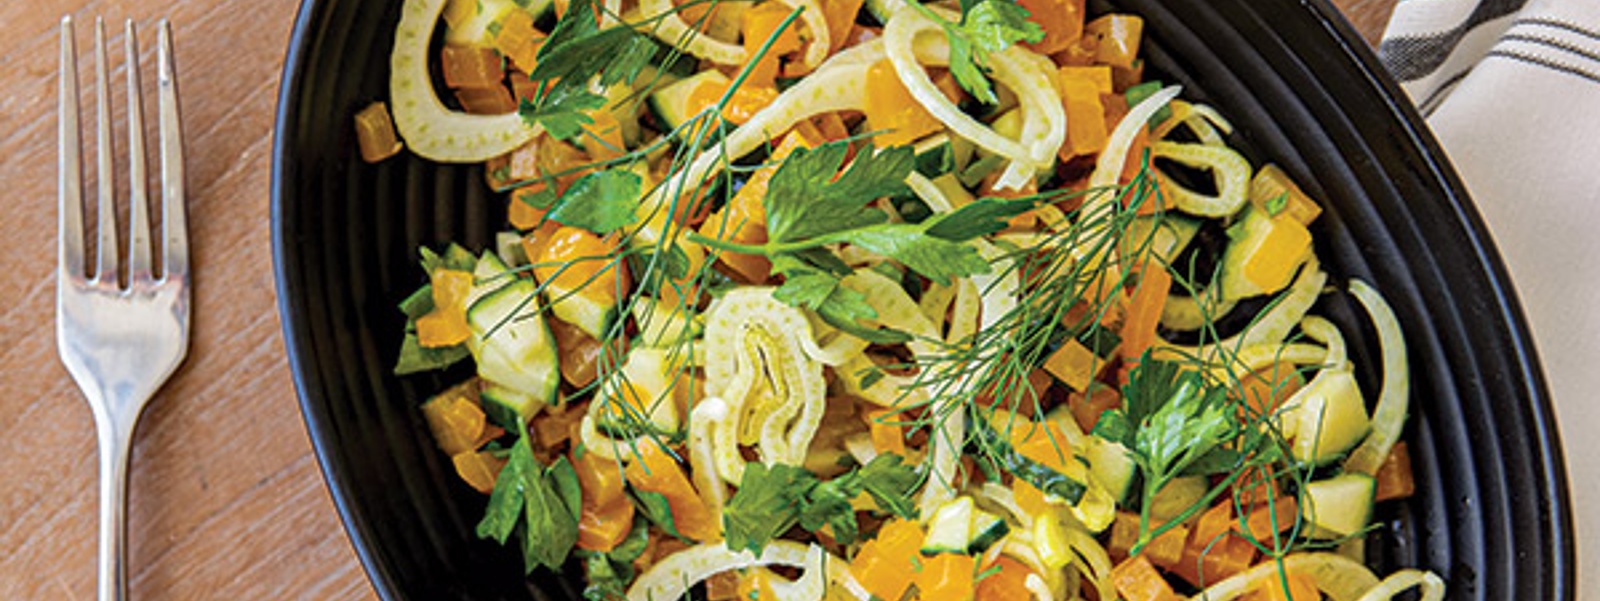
[821, 290]
[986, 26]
[577, 52]
[995, 447]
[808, 196]
[891, 483]
[1174, 423]
[811, 204]
[980, 218]
[773, 499]
[540, 504]
[938, 259]
[828, 504]
[561, 111]
[766, 505]
[601, 202]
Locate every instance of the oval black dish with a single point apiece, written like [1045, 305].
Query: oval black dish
[1491, 512]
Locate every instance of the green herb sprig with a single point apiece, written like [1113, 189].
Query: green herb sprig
[773, 499]
[814, 201]
[986, 26]
[540, 504]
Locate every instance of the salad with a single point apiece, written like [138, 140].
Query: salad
[878, 299]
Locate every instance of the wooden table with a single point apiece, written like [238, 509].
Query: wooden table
[227, 500]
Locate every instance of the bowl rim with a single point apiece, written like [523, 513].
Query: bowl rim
[1353, 48]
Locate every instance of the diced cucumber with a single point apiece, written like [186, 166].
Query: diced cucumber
[726, 23]
[1338, 506]
[663, 326]
[950, 529]
[593, 316]
[1327, 417]
[1111, 465]
[941, 153]
[483, 18]
[1096, 510]
[508, 247]
[506, 407]
[987, 529]
[883, 9]
[1177, 495]
[671, 103]
[1165, 235]
[489, 274]
[953, 191]
[512, 345]
[1254, 233]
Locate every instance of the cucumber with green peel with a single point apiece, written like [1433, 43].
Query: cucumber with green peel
[1249, 235]
[1164, 235]
[670, 104]
[485, 17]
[987, 529]
[1177, 495]
[508, 248]
[509, 339]
[950, 528]
[1326, 418]
[506, 407]
[960, 526]
[593, 316]
[1339, 506]
[941, 153]
[1111, 465]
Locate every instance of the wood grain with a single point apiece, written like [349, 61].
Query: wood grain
[226, 498]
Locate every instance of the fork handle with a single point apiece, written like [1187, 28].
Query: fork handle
[115, 435]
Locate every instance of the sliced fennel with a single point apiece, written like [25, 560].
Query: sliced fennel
[756, 363]
[430, 129]
[672, 577]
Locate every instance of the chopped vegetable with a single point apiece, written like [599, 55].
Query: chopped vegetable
[891, 111]
[657, 473]
[375, 133]
[768, 277]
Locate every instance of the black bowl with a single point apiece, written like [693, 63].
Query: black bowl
[1490, 515]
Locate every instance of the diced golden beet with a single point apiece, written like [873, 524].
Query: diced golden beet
[1075, 365]
[1280, 251]
[892, 111]
[1117, 38]
[1137, 580]
[1273, 192]
[375, 133]
[494, 100]
[471, 67]
[1061, 20]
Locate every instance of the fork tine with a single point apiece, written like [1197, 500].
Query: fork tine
[106, 267]
[174, 217]
[69, 250]
[138, 204]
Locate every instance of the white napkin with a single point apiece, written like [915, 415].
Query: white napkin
[1512, 90]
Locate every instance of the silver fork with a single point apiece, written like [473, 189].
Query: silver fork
[120, 342]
